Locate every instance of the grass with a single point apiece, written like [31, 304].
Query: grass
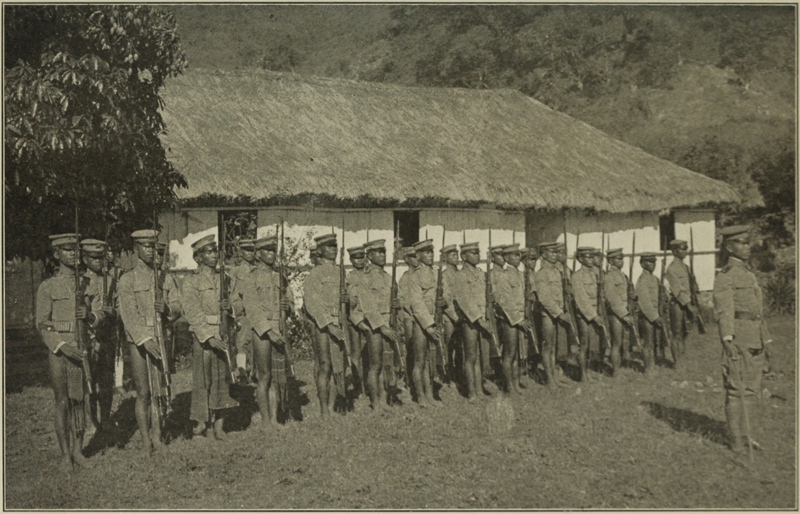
[622, 442]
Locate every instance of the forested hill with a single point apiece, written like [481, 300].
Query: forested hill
[709, 87]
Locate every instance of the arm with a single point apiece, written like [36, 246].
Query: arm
[586, 305]
[135, 323]
[724, 306]
[549, 290]
[678, 279]
[617, 294]
[416, 300]
[647, 291]
[193, 310]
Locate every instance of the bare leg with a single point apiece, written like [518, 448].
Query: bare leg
[142, 408]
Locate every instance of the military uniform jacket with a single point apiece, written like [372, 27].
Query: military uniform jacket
[584, 287]
[470, 292]
[259, 294]
[373, 298]
[449, 281]
[422, 295]
[55, 308]
[549, 289]
[530, 294]
[96, 296]
[352, 281]
[616, 285]
[647, 290]
[678, 278]
[403, 291]
[738, 302]
[201, 302]
[509, 294]
[136, 297]
[321, 294]
[240, 274]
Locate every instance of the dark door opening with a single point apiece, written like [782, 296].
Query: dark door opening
[408, 227]
[666, 227]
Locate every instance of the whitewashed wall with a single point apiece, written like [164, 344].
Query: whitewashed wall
[697, 227]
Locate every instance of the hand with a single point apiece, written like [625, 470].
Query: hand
[730, 350]
[286, 305]
[395, 304]
[109, 312]
[658, 322]
[389, 334]
[441, 303]
[433, 332]
[81, 312]
[628, 320]
[344, 297]
[485, 324]
[159, 305]
[225, 305]
[336, 331]
[152, 348]
[693, 310]
[362, 326]
[490, 298]
[71, 351]
[276, 337]
[566, 317]
[526, 325]
[599, 322]
[218, 344]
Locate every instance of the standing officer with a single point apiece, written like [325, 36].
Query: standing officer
[138, 303]
[511, 322]
[745, 339]
[102, 330]
[372, 312]
[422, 310]
[449, 280]
[259, 295]
[358, 258]
[244, 334]
[57, 320]
[553, 314]
[404, 316]
[470, 300]
[649, 319]
[616, 286]
[680, 288]
[584, 285]
[211, 377]
[321, 301]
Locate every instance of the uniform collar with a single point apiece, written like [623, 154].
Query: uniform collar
[735, 261]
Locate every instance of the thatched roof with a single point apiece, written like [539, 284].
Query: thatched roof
[263, 135]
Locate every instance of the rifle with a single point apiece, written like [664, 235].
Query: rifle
[223, 314]
[392, 300]
[633, 306]
[80, 326]
[663, 306]
[490, 318]
[438, 317]
[529, 306]
[281, 296]
[694, 288]
[566, 285]
[342, 303]
[602, 309]
[158, 329]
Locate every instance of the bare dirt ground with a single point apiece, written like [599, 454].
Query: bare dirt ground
[622, 442]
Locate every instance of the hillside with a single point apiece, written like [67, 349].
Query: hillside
[708, 87]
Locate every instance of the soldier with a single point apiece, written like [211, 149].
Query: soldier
[745, 338]
[204, 306]
[258, 295]
[450, 319]
[554, 315]
[244, 334]
[371, 315]
[649, 319]
[681, 291]
[509, 294]
[138, 303]
[118, 331]
[616, 288]
[529, 257]
[590, 323]
[321, 301]
[102, 330]
[470, 299]
[57, 319]
[358, 258]
[421, 302]
[405, 317]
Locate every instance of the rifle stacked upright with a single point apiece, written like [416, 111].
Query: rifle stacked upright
[80, 326]
[343, 303]
[663, 308]
[490, 314]
[528, 314]
[224, 326]
[566, 287]
[281, 296]
[602, 302]
[633, 305]
[694, 288]
[438, 318]
[392, 311]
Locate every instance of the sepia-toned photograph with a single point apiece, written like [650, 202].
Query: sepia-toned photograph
[395, 256]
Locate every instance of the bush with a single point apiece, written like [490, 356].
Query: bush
[779, 291]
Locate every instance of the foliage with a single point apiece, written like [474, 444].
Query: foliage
[779, 291]
[82, 123]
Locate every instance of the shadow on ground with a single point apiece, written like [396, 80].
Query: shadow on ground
[682, 420]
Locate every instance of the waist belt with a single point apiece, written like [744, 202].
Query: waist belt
[752, 316]
[63, 326]
[212, 319]
[755, 351]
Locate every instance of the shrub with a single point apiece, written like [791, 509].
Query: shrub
[780, 292]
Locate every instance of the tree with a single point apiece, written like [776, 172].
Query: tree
[82, 120]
